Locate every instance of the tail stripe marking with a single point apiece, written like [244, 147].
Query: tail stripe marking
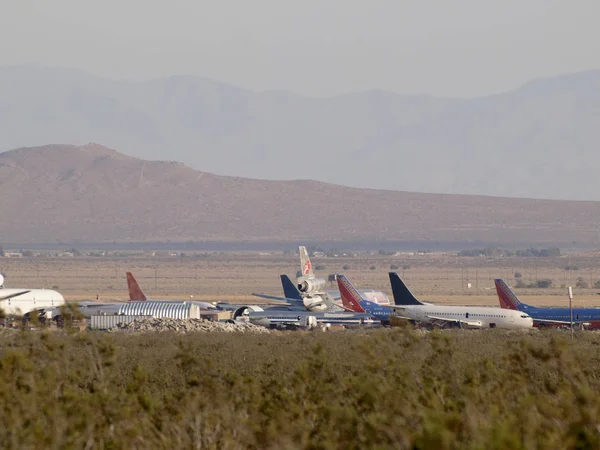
[506, 295]
[349, 294]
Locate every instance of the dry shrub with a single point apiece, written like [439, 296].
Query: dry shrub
[381, 389]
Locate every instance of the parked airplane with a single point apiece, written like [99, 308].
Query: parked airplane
[294, 299]
[89, 308]
[22, 301]
[353, 301]
[291, 294]
[136, 294]
[547, 316]
[408, 306]
[312, 291]
[274, 317]
[307, 271]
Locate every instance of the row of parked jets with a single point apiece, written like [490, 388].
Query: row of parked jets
[348, 305]
[309, 298]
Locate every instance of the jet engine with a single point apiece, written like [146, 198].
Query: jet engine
[314, 303]
[243, 311]
[311, 285]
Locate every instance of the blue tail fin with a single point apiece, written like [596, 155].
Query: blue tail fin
[402, 295]
[289, 289]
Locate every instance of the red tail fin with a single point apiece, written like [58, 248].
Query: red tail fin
[135, 293]
[506, 297]
[349, 294]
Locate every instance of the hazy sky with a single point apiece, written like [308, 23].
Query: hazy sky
[316, 47]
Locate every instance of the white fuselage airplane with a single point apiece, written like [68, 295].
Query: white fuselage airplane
[407, 305]
[21, 301]
[466, 316]
[442, 316]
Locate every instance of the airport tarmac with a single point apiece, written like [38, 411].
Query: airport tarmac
[442, 279]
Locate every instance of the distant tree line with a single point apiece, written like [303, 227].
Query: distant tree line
[500, 252]
[544, 283]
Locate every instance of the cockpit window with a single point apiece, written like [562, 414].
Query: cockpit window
[525, 316]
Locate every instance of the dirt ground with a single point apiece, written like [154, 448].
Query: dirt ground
[233, 277]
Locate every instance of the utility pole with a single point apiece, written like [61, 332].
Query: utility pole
[571, 309]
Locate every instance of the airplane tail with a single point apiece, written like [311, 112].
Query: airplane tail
[135, 293]
[305, 264]
[402, 295]
[506, 297]
[289, 289]
[350, 296]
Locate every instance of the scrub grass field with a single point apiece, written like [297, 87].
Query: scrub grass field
[389, 388]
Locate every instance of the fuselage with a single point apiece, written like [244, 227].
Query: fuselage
[201, 305]
[29, 301]
[270, 317]
[484, 317]
[371, 295]
[487, 317]
[588, 316]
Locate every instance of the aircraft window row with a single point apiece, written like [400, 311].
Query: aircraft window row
[326, 319]
[568, 317]
[466, 315]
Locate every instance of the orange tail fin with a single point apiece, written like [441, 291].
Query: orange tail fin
[135, 293]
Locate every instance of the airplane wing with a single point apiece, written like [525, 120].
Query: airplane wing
[16, 294]
[467, 323]
[292, 301]
[397, 307]
[557, 322]
[92, 304]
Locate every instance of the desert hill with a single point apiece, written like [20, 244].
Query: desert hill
[92, 194]
[540, 140]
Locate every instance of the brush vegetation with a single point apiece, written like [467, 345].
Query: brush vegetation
[366, 389]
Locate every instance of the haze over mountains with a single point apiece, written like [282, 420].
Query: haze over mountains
[91, 193]
[541, 140]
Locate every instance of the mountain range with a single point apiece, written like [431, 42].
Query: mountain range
[538, 141]
[90, 193]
